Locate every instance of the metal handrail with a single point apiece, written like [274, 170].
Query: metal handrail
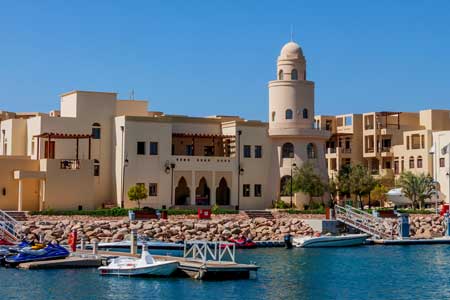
[363, 221]
[8, 226]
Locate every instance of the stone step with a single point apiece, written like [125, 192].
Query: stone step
[18, 215]
[259, 214]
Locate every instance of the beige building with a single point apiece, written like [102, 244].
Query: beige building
[95, 147]
[388, 143]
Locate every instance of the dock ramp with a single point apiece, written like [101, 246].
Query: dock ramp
[365, 222]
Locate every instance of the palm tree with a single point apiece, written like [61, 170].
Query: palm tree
[417, 188]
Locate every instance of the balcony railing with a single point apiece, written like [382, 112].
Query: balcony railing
[346, 150]
[69, 164]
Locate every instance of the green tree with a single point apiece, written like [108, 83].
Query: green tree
[361, 182]
[137, 193]
[417, 188]
[306, 180]
[343, 180]
[379, 193]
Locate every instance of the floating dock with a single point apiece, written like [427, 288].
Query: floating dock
[71, 262]
[411, 241]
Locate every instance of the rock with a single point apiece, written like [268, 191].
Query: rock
[201, 226]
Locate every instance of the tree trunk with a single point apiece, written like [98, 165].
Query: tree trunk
[369, 202]
[360, 202]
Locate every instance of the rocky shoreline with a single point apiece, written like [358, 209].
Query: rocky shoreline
[180, 228]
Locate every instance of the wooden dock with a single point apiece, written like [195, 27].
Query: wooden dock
[197, 269]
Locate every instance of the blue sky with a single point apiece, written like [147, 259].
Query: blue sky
[215, 57]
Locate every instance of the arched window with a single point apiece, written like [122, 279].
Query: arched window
[96, 133]
[411, 162]
[285, 183]
[305, 113]
[287, 151]
[294, 74]
[419, 161]
[273, 116]
[289, 114]
[96, 167]
[311, 151]
[280, 75]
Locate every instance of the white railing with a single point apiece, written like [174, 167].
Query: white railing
[365, 222]
[8, 227]
[209, 251]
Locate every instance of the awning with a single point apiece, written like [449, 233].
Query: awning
[53, 135]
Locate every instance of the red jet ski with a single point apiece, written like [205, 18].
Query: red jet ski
[242, 243]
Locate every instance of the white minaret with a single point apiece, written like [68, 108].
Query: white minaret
[291, 119]
[291, 96]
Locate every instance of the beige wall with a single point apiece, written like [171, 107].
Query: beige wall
[442, 139]
[30, 187]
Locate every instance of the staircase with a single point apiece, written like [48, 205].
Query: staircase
[8, 228]
[17, 215]
[365, 222]
[259, 214]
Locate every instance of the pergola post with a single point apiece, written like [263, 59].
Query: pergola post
[89, 157]
[78, 142]
[20, 202]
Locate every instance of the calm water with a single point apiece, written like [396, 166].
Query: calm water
[370, 272]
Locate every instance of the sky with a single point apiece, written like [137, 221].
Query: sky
[203, 58]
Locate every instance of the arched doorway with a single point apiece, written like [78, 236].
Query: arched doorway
[223, 193]
[182, 193]
[202, 193]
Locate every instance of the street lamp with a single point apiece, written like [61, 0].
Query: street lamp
[172, 166]
[292, 166]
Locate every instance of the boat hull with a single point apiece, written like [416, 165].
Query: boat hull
[159, 269]
[331, 241]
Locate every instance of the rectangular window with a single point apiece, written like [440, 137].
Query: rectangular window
[246, 190]
[208, 150]
[153, 148]
[141, 148]
[415, 141]
[348, 121]
[442, 162]
[422, 141]
[411, 163]
[407, 142]
[190, 150]
[258, 151]
[258, 190]
[153, 189]
[247, 151]
[396, 168]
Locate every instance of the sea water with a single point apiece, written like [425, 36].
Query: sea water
[368, 272]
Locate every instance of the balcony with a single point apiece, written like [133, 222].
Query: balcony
[69, 164]
[185, 162]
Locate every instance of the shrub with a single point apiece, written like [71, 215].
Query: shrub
[280, 204]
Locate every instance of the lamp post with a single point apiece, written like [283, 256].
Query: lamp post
[239, 169]
[172, 166]
[292, 166]
[124, 165]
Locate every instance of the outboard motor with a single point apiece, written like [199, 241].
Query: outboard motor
[288, 241]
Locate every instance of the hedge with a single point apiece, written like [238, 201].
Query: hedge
[118, 212]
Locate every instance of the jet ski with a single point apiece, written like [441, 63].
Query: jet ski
[242, 243]
[33, 253]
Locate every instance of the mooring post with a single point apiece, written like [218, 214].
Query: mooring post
[447, 224]
[83, 243]
[133, 248]
[403, 226]
[95, 247]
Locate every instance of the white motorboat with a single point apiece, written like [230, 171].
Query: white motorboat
[146, 265]
[329, 241]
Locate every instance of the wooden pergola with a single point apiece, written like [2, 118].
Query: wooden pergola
[51, 135]
[386, 114]
[195, 136]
